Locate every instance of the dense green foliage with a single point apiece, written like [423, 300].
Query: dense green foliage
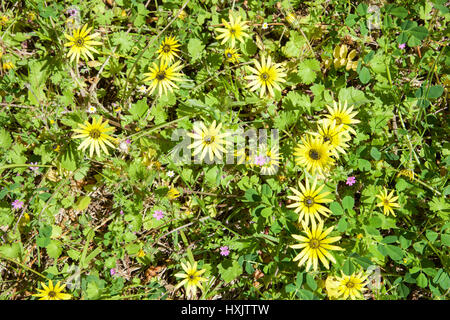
[90, 221]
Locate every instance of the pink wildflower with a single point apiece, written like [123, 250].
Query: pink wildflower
[350, 181]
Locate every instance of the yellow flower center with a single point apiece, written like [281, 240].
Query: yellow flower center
[52, 294]
[313, 154]
[208, 139]
[229, 55]
[386, 202]
[264, 76]
[79, 42]
[327, 138]
[338, 120]
[309, 201]
[191, 276]
[314, 243]
[166, 48]
[349, 284]
[95, 133]
[161, 75]
[232, 31]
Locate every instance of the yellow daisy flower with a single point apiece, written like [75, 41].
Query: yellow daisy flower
[242, 156]
[387, 201]
[163, 77]
[173, 193]
[95, 135]
[315, 246]
[7, 65]
[81, 43]
[342, 115]
[168, 49]
[231, 55]
[308, 201]
[191, 277]
[140, 254]
[234, 29]
[270, 161]
[291, 18]
[314, 155]
[3, 21]
[352, 286]
[407, 173]
[331, 287]
[52, 293]
[208, 141]
[266, 76]
[330, 132]
[341, 59]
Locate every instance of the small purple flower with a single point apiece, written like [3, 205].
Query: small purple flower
[17, 204]
[112, 271]
[72, 12]
[224, 251]
[260, 160]
[121, 212]
[33, 168]
[128, 141]
[402, 46]
[350, 181]
[158, 215]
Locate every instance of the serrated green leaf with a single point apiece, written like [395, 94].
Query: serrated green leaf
[308, 69]
[195, 48]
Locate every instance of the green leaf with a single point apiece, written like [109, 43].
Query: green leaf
[445, 239]
[403, 290]
[299, 280]
[249, 48]
[5, 139]
[229, 270]
[431, 235]
[139, 108]
[11, 251]
[389, 239]
[351, 19]
[37, 76]
[342, 225]
[364, 75]
[266, 212]
[361, 9]
[311, 282]
[212, 176]
[132, 248]
[54, 249]
[394, 252]
[348, 267]
[308, 69]
[82, 203]
[252, 196]
[363, 165]
[375, 153]
[353, 96]
[419, 33]
[195, 48]
[348, 202]
[435, 91]
[399, 12]
[306, 295]
[43, 241]
[69, 158]
[336, 208]
[422, 280]
[124, 40]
